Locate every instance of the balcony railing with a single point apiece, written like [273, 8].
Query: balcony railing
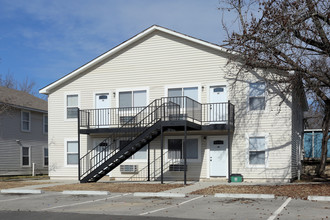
[176, 108]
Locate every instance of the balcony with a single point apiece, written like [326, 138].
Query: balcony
[172, 110]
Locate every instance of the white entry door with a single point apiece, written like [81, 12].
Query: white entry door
[218, 110]
[102, 114]
[218, 156]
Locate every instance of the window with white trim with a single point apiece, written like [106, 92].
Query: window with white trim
[72, 152]
[257, 100]
[139, 155]
[71, 106]
[45, 156]
[25, 121]
[191, 92]
[45, 124]
[25, 156]
[128, 99]
[175, 148]
[257, 151]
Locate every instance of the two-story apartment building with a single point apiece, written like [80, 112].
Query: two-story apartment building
[23, 133]
[162, 105]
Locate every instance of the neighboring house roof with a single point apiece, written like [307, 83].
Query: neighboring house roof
[46, 90]
[22, 100]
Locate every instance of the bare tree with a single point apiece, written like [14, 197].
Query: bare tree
[290, 37]
[25, 85]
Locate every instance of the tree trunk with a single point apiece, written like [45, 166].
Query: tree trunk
[325, 139]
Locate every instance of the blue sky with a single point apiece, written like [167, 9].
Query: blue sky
[47, 39]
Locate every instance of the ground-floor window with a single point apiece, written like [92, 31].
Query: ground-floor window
[175, 148]
[139, 155]
[257, 151]
[45, 156]
[72, 152]
[25, 156]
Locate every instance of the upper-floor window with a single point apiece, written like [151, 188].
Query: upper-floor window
[257, 151]
[45, 124]
[25, 156]
[26, 121]
[130, 99]
[257, 96]
[191, 92]
[72, 106]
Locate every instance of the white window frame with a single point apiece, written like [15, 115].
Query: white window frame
[183, 86]
[199, 139]
[248, 97]
[66, 105]
[44, 156]
[253, 135]
[44, 124]
[66, 152]
[132, 90]
[22, 127]
[29, 165]
[133, 159]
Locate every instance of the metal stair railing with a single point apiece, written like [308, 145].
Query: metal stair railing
[110, 146]
[155, 169]
[169, 108]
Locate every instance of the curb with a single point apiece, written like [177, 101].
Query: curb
[82, 192]
[319, 198]
[21, 191]
[167, 195]
[245, 196]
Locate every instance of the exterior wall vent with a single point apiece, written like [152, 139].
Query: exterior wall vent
[128, 168]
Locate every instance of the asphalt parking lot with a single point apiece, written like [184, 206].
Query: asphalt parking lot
[127, 206]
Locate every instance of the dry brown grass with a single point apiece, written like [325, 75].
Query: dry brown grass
[293, 191]
[14, 184]
[115, 187]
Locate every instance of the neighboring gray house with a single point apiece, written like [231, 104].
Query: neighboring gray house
[162, 105]
[23, 133]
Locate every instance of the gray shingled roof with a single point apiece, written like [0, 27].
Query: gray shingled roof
[21, 99]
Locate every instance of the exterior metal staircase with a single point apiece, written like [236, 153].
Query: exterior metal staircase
[140, 130]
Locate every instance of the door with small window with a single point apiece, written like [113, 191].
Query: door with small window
[102, 105]
[218, 109]
[218, 156]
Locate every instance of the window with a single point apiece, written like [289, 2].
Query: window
[257, 96]
[45, 157]
[140, 155]
[71, 106]
[175, 148]
[257, 151]
[72, 153]
[45, 124]
[25, 121]
[132, 99]
[191, 92]
[25, 156]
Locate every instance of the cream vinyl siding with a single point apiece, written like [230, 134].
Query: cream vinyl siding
[275, 121]
[157, 62]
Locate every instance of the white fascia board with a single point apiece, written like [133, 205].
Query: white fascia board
[46, 89]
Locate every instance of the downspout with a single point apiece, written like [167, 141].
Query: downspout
[229, 143]
[78, 144]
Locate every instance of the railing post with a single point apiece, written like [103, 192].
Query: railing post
[88, 113]
[79, 165]
[229, 143]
